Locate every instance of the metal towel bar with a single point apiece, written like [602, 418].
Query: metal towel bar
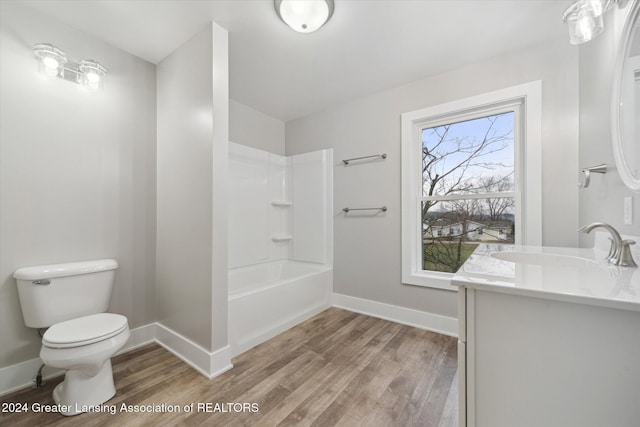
[346, 161]
[383, 209]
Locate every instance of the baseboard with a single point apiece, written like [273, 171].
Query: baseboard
[407, 316]
[21, 375]
[209, 364]
[139, 337]
[220, 361]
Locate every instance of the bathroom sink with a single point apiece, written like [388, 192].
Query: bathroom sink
[538, 258]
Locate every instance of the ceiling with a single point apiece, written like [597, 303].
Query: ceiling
[366, 47]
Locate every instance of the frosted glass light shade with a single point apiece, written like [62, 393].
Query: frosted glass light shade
[304, 16]
[92, 74]
[51, 60]
[584, 20]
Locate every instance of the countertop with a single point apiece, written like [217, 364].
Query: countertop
[567, 274]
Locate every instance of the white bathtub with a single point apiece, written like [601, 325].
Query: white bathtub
[267, 299]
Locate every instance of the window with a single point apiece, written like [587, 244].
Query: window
[470, 175]
[468, 185]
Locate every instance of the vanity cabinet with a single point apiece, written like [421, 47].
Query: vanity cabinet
[531, 359]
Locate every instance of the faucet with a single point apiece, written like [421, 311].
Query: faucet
[620, 252]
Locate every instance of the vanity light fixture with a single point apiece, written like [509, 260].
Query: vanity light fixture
[304, 16]
[52, 62]
[584, 19]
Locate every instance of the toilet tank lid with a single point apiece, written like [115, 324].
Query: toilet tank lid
[39, 272]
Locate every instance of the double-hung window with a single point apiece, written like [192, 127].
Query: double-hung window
[470, 175]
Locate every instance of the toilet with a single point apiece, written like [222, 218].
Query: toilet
[71, 300]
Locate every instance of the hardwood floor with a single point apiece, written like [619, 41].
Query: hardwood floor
[337, 369]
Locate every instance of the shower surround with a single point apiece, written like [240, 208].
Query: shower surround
[280, 241]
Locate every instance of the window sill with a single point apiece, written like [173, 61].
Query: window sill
[430, 279]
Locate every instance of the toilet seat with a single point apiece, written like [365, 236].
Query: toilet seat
[84, 330]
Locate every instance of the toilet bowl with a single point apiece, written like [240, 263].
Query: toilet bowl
[84, 347]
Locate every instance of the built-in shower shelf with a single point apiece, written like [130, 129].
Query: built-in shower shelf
[281, 238]
[281, 203]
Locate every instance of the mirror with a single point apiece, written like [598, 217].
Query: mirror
[625, 112]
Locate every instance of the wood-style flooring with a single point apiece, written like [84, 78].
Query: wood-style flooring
[336, 369]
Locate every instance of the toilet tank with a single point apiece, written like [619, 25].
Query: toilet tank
[50, 294]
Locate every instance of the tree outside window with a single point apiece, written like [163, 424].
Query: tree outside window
[468, 188]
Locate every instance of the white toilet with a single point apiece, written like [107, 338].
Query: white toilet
[71, 300]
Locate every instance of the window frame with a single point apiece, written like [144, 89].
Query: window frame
[527, 99]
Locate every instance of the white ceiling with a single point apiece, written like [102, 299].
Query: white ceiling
[367, 46]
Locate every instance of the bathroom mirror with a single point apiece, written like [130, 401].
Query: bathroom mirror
[625, 112]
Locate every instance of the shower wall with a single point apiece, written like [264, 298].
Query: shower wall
[280, 207]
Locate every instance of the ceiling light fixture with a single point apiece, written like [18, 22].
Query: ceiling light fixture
[304, 16]
[584, 19]
[52, 62]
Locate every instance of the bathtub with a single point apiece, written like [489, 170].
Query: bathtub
[269, 298]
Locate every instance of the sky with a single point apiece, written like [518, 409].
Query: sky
[498, 157]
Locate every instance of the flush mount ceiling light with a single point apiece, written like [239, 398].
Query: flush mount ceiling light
[52, 62]
[304, 16]
[584, 19]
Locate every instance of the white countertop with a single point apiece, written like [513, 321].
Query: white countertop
[567, 274]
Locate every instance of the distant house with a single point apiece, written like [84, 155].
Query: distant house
[476, 231]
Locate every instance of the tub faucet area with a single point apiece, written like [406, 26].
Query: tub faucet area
[620, 252]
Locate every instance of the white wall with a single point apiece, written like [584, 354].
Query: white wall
[77, 170]
[192, 149]
[367, 249]
[253, 128]
[603, 200]
[219, 235]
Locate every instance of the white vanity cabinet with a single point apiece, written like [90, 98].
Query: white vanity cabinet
[543, 355]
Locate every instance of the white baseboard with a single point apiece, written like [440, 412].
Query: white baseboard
[139, 337]
[20, 376]
[220, 361]
[207, 363]
[407, 316]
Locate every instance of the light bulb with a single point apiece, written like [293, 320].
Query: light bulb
[51, 66]
[51, 71]
[50, 63]
[92, 74]
[93, 77]
[51, 60]
[584, 28]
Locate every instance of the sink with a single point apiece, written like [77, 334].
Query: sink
[538, 258]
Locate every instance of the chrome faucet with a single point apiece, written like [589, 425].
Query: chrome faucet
[620, 251]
